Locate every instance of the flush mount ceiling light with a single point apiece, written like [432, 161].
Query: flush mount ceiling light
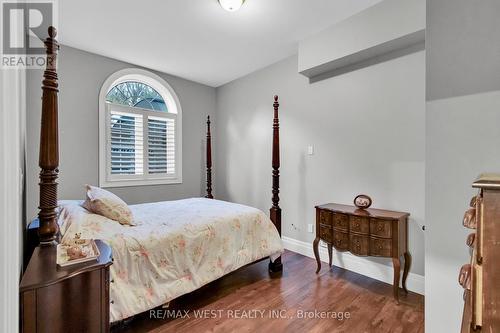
[231, 5]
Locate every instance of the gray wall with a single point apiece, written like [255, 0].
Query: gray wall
[81, 76]
[462, 139]
[463, 52]
[363, 36]
[367, 128]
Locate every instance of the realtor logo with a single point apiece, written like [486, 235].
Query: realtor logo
[24, 28]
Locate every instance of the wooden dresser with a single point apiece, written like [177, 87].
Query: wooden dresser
[69, 299]
[481, 277]
[364, 232]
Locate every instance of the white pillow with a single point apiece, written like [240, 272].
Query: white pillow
[107, 204]
[71, 215]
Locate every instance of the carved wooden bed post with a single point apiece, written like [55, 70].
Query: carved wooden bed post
[275, 211]
[49, 146]
[209, 161]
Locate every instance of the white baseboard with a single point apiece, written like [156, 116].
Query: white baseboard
[414, 282]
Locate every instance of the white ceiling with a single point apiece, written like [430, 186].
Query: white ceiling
[197, 39]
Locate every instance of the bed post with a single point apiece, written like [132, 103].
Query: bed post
[209, 161]
[275, 211]
[49, 146]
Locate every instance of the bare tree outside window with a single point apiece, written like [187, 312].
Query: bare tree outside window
[136, 94]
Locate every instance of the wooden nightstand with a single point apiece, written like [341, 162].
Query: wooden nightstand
[365, 232]
[65, 299]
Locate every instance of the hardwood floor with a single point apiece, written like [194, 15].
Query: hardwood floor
[369, 303]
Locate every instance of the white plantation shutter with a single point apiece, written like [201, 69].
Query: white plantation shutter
[126, 143]
[141, 144]
[161, 145]
[171, 146]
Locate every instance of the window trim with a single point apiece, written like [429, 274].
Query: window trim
[173, 104]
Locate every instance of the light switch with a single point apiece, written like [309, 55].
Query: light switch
[310, 150]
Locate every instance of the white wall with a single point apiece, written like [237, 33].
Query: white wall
[463, 113]
[367, 128]
[81, 75]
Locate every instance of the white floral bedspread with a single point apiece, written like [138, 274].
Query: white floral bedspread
[177, 247]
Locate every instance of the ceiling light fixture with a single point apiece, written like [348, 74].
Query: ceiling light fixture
[231, 5]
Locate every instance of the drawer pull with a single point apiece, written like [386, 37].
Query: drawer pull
[464, 276]
[473, 201]
[380, 227]
[470, 218]
[471, 239]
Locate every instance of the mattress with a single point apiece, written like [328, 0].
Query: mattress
[175, 248]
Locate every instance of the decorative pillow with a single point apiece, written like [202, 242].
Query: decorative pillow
[107, 204]
[69, 211]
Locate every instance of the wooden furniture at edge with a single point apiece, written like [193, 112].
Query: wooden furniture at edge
[364, 232]
[65, 299]
[481, 277]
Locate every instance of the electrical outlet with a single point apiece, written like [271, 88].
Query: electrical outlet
[310, 228]
[310, 150]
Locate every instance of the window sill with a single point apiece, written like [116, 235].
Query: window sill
[139, 182]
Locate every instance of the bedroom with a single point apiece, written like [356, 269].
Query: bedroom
[393, 100]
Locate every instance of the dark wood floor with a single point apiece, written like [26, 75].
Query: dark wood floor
[369, 303]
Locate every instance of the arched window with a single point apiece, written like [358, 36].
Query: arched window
[140, 130]
[136, 94]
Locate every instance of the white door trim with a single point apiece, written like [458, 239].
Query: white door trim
[12, 124]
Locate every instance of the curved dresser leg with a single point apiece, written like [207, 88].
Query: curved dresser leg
[397, 271]
[330, 255]
[406, 269]
[316, 253]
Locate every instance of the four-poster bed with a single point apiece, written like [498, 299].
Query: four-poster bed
[208, 148]
[49, 145]
[167, 231]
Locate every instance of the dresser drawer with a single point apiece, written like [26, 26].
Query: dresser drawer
[325, 217]
[380, 247]
[381, 228]
[340, 221]
[359, 224]
[326, 233]
[341, 240]
[359, 245]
